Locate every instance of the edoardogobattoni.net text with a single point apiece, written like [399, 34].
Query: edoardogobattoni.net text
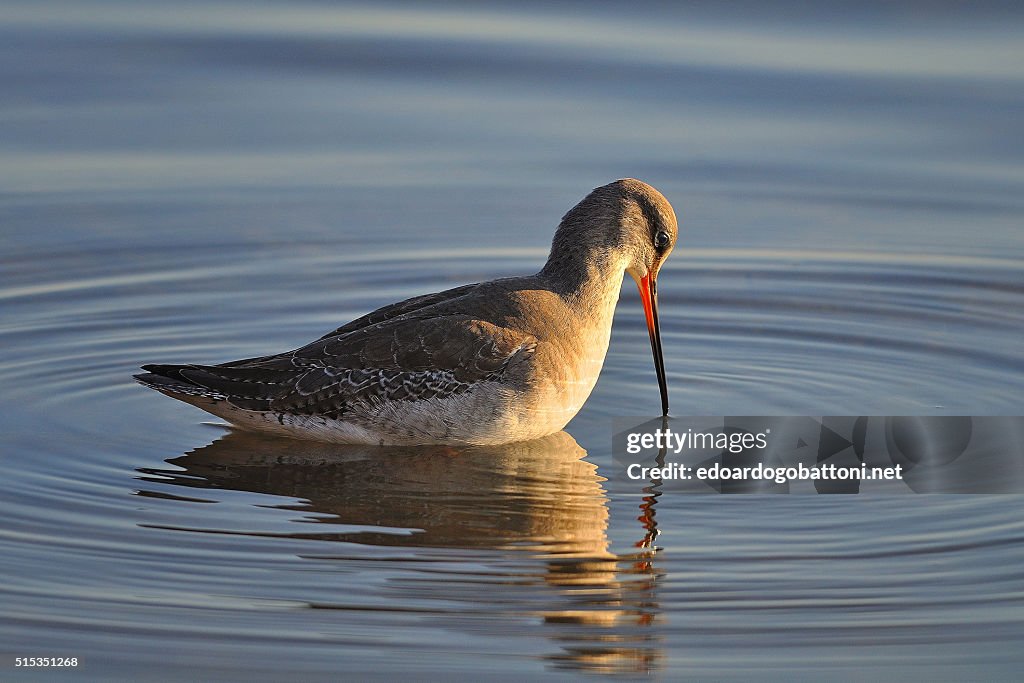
[779, 475]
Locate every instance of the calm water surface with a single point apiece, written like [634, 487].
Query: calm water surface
[212, 181]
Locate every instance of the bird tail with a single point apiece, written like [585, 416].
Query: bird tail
[168, 379]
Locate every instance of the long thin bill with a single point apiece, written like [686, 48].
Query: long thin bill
[649, 297]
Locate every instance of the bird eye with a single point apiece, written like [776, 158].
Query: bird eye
[661, 239]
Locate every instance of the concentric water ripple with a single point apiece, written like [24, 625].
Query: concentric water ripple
[150, 532]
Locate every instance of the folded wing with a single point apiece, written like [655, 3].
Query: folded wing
[402, 358]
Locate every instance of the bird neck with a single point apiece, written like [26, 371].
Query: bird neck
[589, 281]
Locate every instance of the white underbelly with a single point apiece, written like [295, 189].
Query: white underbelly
[489, 413]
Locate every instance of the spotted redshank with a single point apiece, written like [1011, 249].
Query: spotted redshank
[488, 363]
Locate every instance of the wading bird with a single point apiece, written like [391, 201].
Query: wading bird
[488, 363]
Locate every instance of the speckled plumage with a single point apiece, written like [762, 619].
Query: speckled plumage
[494, 362]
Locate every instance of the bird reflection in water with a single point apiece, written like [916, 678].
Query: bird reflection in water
[539, 500]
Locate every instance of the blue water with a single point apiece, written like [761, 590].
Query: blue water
[209, 181]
